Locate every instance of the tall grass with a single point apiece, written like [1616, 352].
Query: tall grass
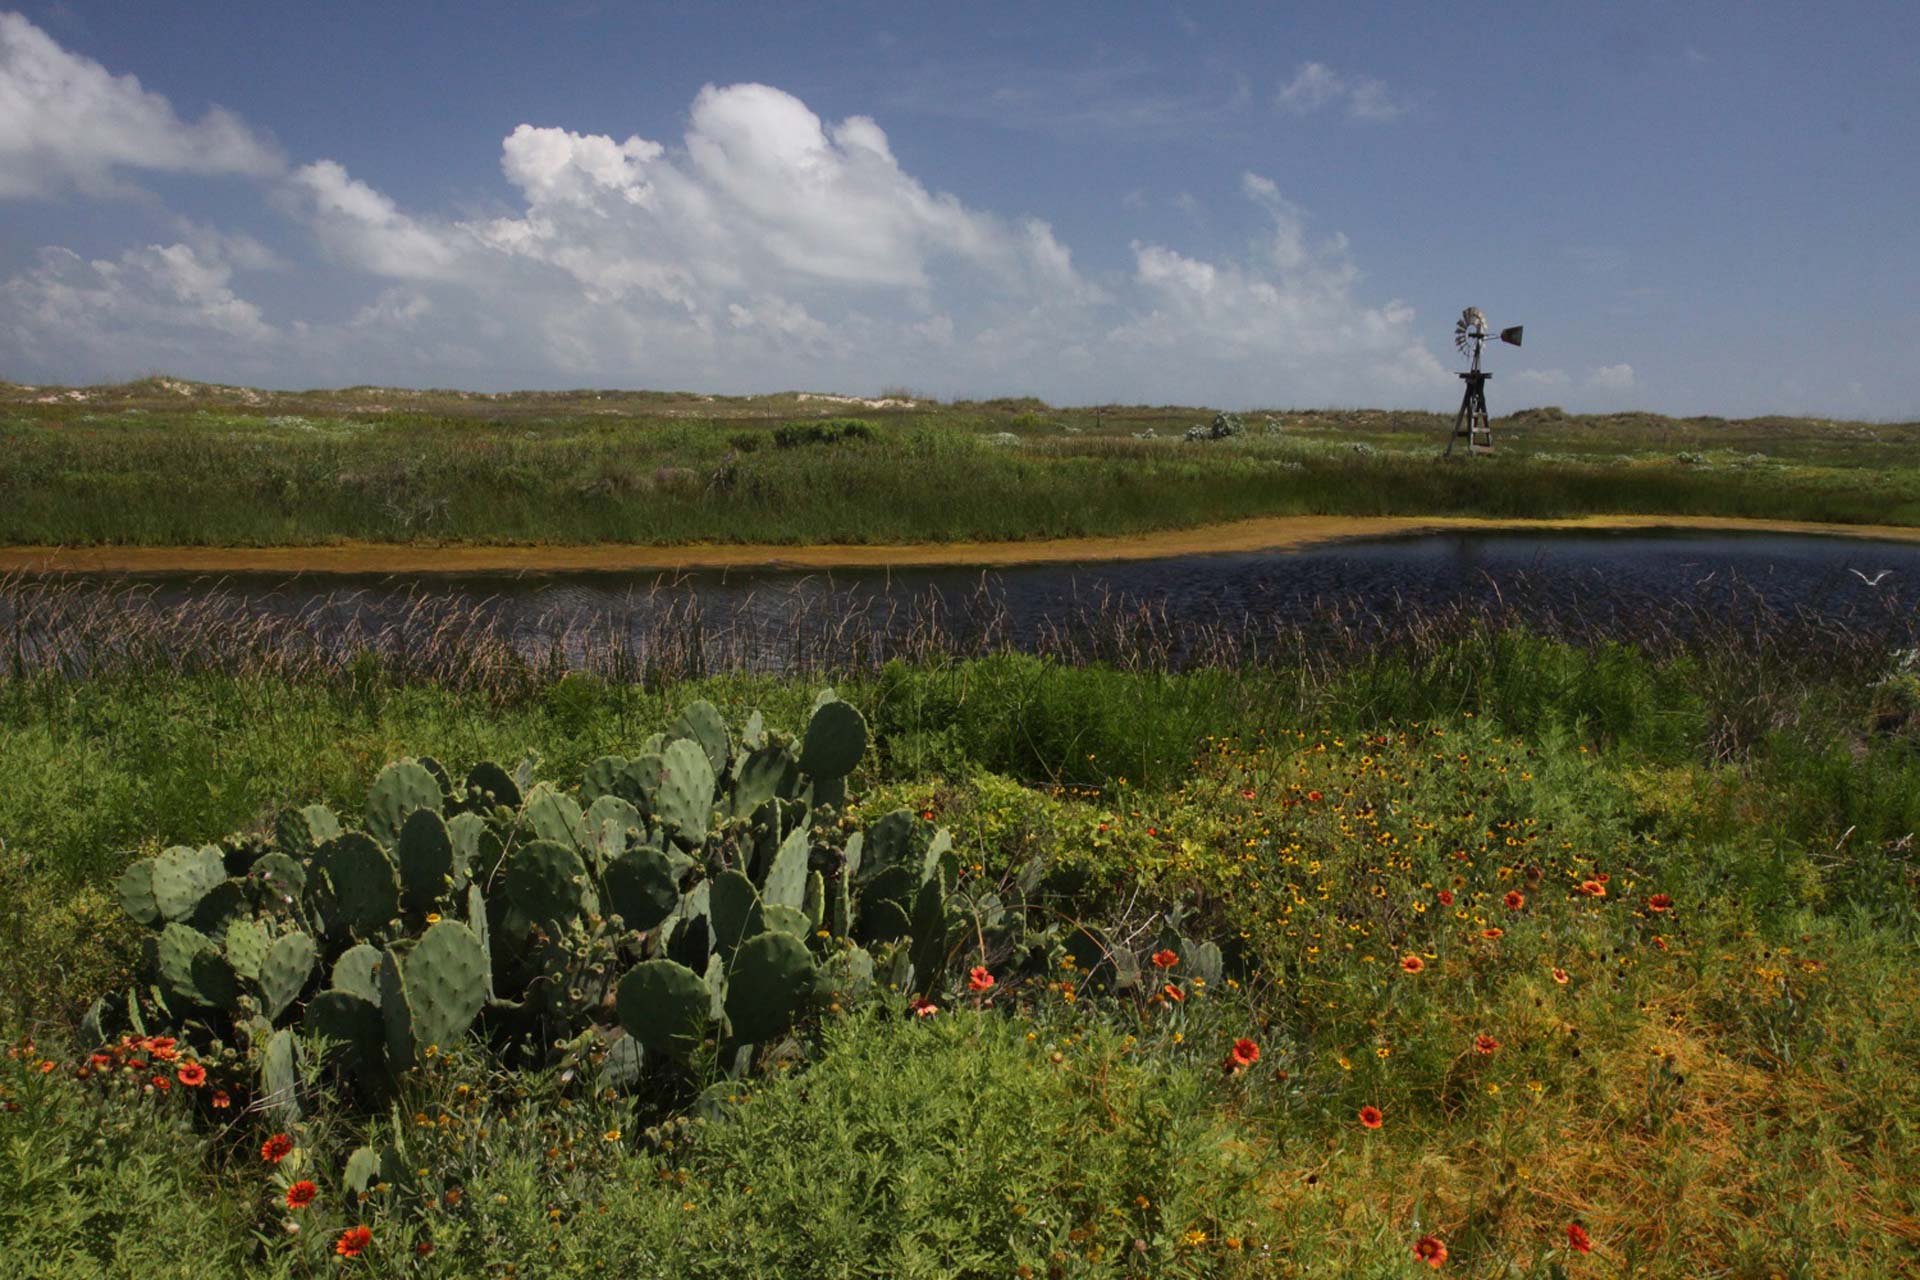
[185, 480]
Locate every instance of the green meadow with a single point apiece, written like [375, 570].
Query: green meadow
[167, 463]
[1509, 956]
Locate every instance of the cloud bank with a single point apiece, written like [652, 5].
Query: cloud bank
[764, 248]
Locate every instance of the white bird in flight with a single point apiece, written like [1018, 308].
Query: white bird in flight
[1874, 581]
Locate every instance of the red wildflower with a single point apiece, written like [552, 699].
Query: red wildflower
[102, 1059]
[1371, 1117]
[1314, 796]
[1412, 964]
[1165, 959]
[301, 1194]
[1485, 1044]
[1494, 934]
[1172, 992]
[275, 1149]
[1515, 899]
[192, 1074]
[1245, 1053]
[162, 1083]
[1659, 902]
[1602, 877]
[221, 1100]
[353, 1241]
[1593, 888]
[980, 979]
[1560, 976]
[923, 1007]
[1577, 1237]
[424, 1248]
[1246, 795]
[1430, 1250]
[1446, 897]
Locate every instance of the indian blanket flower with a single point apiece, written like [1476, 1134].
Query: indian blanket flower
[301, 1194]
[1660, 902]
[1493, 934]
[162, 1083]
[353, 1242]
[1446, 897]
[1560, 976]
[1593, 888]
[1577, 1238]
[1515, 899]
[1245, 1053]
[923, 1007]
[275, 1149]
[221, 1100]
[1314, 796]
[1172, 992]
[1430, 1250]
[191, 1074]
[980, 979]
[1165, 959]
[1412, 964]
[1485, 1044]
[1371, 1117]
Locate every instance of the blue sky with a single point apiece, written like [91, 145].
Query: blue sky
[1692, 208]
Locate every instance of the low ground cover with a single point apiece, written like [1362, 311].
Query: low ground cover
[1520, 937]
[139, 466]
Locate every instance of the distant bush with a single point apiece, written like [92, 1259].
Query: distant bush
[827, 431]
[1222, 426]
[745, 441]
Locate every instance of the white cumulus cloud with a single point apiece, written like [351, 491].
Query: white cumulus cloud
[1611, 377]
[67, 123]
[1316, 85]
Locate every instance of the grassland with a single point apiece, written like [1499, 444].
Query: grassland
[162, 463]
[1661, 898]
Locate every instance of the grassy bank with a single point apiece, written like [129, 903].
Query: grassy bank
[144, 466]
[1660, 900]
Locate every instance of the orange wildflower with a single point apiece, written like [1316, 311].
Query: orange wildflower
[1172, 992]
[1485, 1044]
[1412, 964]
[220, 1099]
[1577, 1237]
[1446, 897]
[1593, 888]
[275, 1149]
[191, 1074]
[1660, 902]
[1560, 976]
[1165, 959]
[1371, 1117]
[1494, 933]
[1515, 899]
[1430, 1250]
[980, 979]
[1245, 1052]
[353, 1242]
[301, 1194]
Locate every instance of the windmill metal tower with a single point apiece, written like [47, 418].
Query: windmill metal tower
[1471, 423]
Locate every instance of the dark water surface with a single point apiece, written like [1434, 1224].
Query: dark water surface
[1603, 581]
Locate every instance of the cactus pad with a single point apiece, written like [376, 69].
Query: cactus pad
[664, 1006]
[547, 882]
[767, 986]
[836, 739]
[684, 799]
[284, 972]
[700, 722]
[357, 972]
[641, 888]
[400, 789]
[426, 859]
[183, 876]
[135, 890]
[366, 887]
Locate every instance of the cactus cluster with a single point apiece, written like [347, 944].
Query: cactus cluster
[702, 892]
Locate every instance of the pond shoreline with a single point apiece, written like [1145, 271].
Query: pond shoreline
[1268, 533]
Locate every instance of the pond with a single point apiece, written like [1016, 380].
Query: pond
[1607, 583]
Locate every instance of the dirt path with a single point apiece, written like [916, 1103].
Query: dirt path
[1279, 533]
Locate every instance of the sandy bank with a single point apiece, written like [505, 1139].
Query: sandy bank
[1272, 533]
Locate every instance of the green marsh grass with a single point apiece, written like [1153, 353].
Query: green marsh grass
[1723, 1084]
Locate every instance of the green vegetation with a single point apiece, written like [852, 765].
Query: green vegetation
[164, 463]
[1608, 935]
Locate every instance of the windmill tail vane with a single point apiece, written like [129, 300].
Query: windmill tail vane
[1470, 334]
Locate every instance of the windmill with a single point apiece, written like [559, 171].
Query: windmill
[1472, 424]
